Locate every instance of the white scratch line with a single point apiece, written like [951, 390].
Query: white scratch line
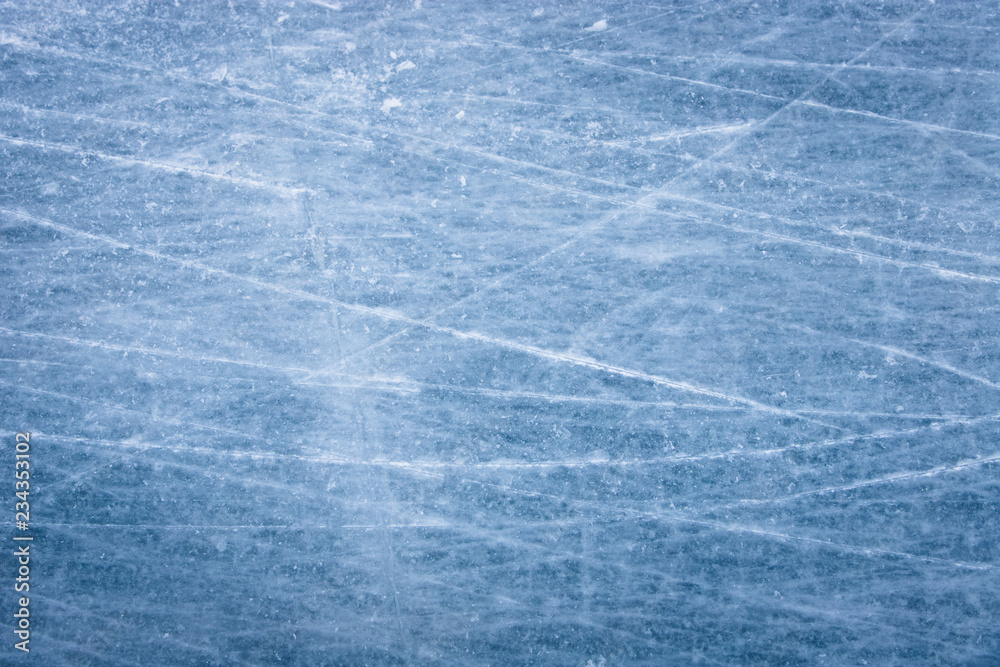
[111, 406]
[861, 254]
[395, 525]
[838, 231]
[867, 67]
[638, 204]
[678, 517]
[887, 479]
[410, 386]
[168, 526]
[862, 551]
[908, 355]
[335, 6]
[78, 117]
[462, 335]
[901, 121]
[698, 131]
[164, 166]
[671, 77]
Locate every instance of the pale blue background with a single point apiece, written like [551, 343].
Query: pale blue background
[492, 334]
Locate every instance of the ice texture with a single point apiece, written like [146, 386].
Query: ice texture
[503, 333]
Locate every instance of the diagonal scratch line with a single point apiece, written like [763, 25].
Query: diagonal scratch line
[838, 231]
[283, 190]
[682, 459]
[644, 203]
[557, 47]
[903, 353]
[878, 435]
[891, 119]
[111, 406]
[663, 193]
[433, 468]
[153, 352]
[385, 314]
[37, 111]
[670, 517]
[877, 43]
[678, 517]
[805, 64]
[671, 77]
[800, 101]
[964, 155]
[408, 386]
[871, 552]
[887, 479]
[627, 204]
[86, 473]
[852, 252]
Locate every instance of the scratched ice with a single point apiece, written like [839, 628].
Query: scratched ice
[505, 333]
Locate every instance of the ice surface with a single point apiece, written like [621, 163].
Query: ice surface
[504, 333]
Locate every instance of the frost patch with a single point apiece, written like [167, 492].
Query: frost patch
[219, 75]
[14, 40]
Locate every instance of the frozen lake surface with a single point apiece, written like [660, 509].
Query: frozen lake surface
[504, 333]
